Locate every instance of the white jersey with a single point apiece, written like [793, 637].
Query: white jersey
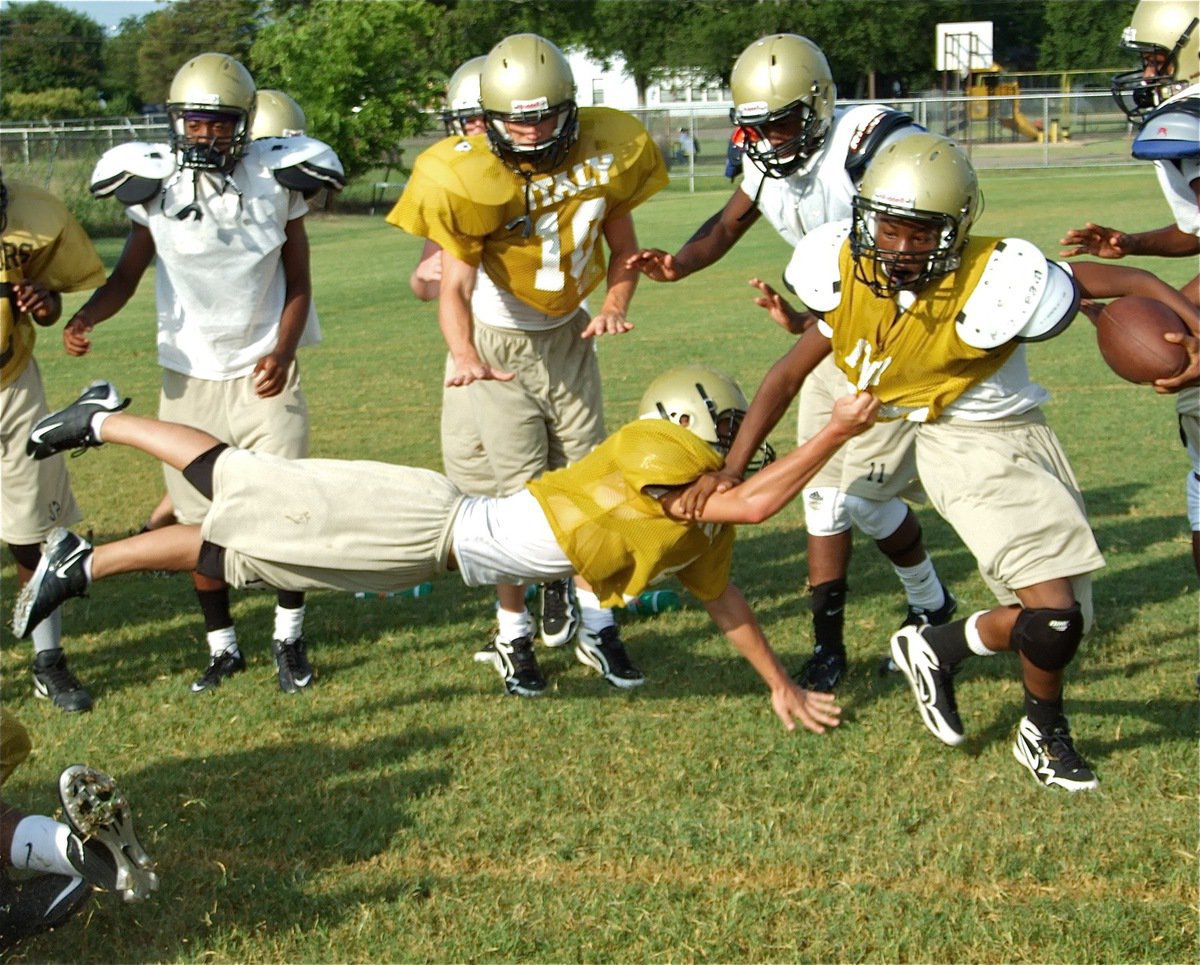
[822, 190]
[1175, 177]
[220, 282]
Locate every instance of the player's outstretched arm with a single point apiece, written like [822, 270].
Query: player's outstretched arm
[782, 312]
[455, 321]
[1098, 280]
[766, 492]
[733, 615]
[707, 245]
[613, 317]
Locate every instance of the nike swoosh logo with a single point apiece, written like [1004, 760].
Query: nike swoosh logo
[833, 613]
[61, 570]
[38, 433]
[302, 681]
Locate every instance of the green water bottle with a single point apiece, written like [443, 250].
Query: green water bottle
[654, 601]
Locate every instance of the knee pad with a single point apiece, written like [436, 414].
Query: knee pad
[199, 472]
[1048, 637]
[1193, 500]
[877, 519]
[825, 511]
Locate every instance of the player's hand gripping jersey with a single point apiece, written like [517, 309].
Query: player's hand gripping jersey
[42, 243]
[536, 237]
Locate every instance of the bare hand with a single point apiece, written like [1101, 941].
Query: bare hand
[36, 299]
[474, 370]
[607, 323]
[655, 264]
[691, 501]
[1094, 239]
[814, 710]
[270, 375]
[1189, 376]
[853, 414]
[75, 336]
[780, 310]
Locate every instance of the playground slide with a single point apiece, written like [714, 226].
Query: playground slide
[1020, 123]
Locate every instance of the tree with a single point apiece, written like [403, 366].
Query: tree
[468, 28]
[182, 30]
[1072, 42]
[360, 71]
[642, 33]
[47, 47]
[120, 79]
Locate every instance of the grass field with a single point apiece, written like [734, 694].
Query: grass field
[403, 810]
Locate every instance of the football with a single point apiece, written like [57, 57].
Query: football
[1129, 332]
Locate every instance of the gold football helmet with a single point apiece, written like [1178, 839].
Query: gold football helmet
[707, 403]
[1165, 34]
[921, 183]
[782, 82]
[277, 115]
[462, 98]
[210, 86]
[526, 80]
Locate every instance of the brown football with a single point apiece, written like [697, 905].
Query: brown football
[1130, 333]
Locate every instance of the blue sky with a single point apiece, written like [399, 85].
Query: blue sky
[107, 13]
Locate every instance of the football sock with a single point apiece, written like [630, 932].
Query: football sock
[921, 584]
[595, 617]
[40, 844]
[222, 641]
[1045, 714]
[514, 625]
[948, 642]
[289, 624]
[47, 635]
[97, 422]
[829, 616]
[214, 605]
[974, 640]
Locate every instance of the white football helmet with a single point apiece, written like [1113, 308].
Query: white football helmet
[707, 403]
[463, 106]
[527, 80]
[923, 180]
[783, 78]
[207, 85]
[277, 115]
[1165, 34]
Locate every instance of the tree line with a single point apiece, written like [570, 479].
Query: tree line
[367, 73]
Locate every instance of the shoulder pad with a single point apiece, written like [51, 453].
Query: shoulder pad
[813, 274]
[132, 172]
[1172, 131]
[870, 137]
[1020, 295]
[301, 163]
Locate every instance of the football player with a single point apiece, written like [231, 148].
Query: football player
[224, 217]
[934, 322]
[463, 116]
[802, 159]
[96, 847]
[522, 216]
[612, 516]
[1163, 96]
[45, 252]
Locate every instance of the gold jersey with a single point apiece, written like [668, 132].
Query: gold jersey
[43, 243]
[616, 533]
[913, 359]
[463, 197]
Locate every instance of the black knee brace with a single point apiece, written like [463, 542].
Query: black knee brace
[1048, 638]
[199, 472]
[27, 554]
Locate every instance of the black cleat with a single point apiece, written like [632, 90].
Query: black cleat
[932, 684]
[53, 680]
[291, 663]
[37, 904]
[605, 653]
[224, 664]
[71, 428]
[516, 663]
[822, 671]
[60, 575]
[560, 613]
[1052, 758]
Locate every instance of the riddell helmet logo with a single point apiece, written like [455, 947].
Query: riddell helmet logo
[895, 200]
[529, 106]
[1162, 131]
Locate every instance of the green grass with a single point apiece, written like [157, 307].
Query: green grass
[404, 811]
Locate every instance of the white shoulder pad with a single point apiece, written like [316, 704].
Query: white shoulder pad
[1170, 132]
[135, 161]
[300, 163]
[1020, 295]
[277, 153]
[813, 271]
